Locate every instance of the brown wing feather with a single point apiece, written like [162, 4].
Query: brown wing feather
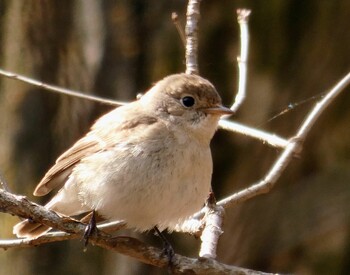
[59, 173]
[100, 138]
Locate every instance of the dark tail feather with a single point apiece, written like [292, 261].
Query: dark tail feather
[29, 229]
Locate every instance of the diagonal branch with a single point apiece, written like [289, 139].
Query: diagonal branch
[271, 139]
[175, 19]
[294, 147]
[59, 90]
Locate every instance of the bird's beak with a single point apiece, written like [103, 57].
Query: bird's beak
[218, 110]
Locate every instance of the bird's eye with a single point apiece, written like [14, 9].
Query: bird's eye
[187, 101]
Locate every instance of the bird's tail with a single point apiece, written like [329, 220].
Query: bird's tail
[29, 229]
[65, 203]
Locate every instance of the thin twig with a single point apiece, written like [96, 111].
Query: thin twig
[294, 147]
[47, 238]
[242, 16]
[265, 137]
[322, 105]
[59, 90]
[214, 216]
[56, 236]
[175, 19]
[192, 19]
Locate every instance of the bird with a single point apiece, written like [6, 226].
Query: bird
[147, 163]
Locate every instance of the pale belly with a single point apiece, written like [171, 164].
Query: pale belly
[146, 189]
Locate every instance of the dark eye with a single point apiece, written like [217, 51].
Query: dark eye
[187, 101]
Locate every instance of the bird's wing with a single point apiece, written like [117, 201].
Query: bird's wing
[104, 134]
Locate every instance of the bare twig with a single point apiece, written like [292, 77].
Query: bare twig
[293, 147]
[60, 90]
[193, 16]
[178, 26]
[265, 137]
[213, 218]
[322, 105]
[56, 236]
[44, 239]
[242, 16]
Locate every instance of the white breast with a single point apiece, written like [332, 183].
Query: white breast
[152, 183]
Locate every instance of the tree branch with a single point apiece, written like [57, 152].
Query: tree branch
[242, 16]
[193, 16]
[175, 19]
[294, 147]
[20, 206]
[59, 90]
[271, 139]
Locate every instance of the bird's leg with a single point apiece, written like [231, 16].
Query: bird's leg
[90, 228]
[168, 250]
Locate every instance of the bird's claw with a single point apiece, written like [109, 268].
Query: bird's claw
[90, 229]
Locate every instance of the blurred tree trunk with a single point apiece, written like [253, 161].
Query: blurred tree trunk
[58, 42]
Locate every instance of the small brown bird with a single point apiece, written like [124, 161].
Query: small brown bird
[147, 163]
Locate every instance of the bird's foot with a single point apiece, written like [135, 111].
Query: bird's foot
[168, 250]
[90, 229]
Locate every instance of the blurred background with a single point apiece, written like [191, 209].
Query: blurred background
[117, 49]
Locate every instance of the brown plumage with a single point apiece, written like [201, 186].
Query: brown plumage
[147, 162]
